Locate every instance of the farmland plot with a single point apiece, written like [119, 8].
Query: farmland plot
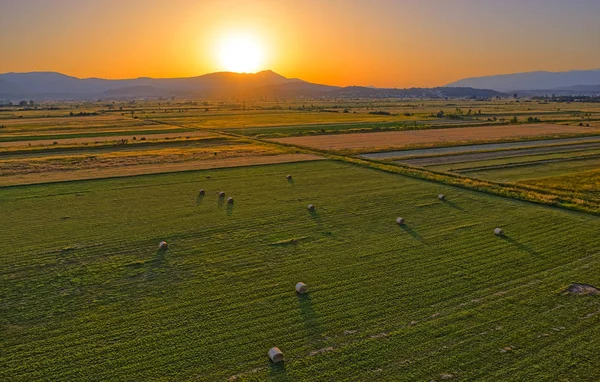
[432, 137]
[86, 295]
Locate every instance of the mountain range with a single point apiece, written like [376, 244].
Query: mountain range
[571, 82]
[263, 85]
[270, 85]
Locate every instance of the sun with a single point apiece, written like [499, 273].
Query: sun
[241, 54]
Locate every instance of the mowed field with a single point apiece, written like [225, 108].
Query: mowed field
[46, 130]
[86, 295]
[431, 137]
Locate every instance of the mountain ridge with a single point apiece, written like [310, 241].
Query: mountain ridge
[267, 83]
[532, 81]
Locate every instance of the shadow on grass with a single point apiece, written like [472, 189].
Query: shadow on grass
[277, 371]
[411, 232]
[199, 198]
[155, 265]
[309, 317]
[454, 205]
[520, 246]
[159, 257]
[314, 215]
[221, 201]
[229, 209]
[291, 181]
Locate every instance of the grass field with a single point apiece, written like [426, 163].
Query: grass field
[84, 294]
[586, 182]
[442, 298]
[497, 160]
[535, 170]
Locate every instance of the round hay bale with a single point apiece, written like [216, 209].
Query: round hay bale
[202, 192]
[221, 194]
[163, 246]
[311, 208]
[400, 221]
[289, 177]
[230, 201]
[301, 288]
[442, 197]
[498, 232]
[276, 355]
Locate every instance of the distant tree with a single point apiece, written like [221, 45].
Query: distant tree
[31, 102]
[440, 114]
[23, 103]
[514, 120]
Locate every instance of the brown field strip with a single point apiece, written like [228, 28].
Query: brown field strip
[69, 141]
[399, 139]
[61, 176]
[66, 120]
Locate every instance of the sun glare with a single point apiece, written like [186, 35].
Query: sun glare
[241, 54]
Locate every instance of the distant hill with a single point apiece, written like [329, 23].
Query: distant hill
[51, 85]
[56, 86]
[532, 81]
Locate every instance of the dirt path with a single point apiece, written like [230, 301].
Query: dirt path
[123, 171]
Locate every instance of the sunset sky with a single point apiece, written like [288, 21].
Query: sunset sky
[391, 43]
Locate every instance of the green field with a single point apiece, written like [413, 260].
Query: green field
[586, 182]
[535, 170]
[517, 161]
[86, 296]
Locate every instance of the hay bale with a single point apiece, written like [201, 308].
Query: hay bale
[221, 194]
[202, 192]
[276, 355]
[163, 246]
[400, 221]
[311, 208]
[442, 197]
[230, 201]
[289, 177]
[498, 232]
[301, 288]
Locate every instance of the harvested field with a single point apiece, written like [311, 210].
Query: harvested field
[122, 158]
[462, 158]
[44, 123]
[154, 168]
[92, 138]
[86, 293]
[454, 150]
[398, 139]
[114, 147]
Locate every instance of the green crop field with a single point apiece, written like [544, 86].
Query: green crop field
[535, 170]
[86, 296]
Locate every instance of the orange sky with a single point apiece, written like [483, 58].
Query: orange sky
[393, 43]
